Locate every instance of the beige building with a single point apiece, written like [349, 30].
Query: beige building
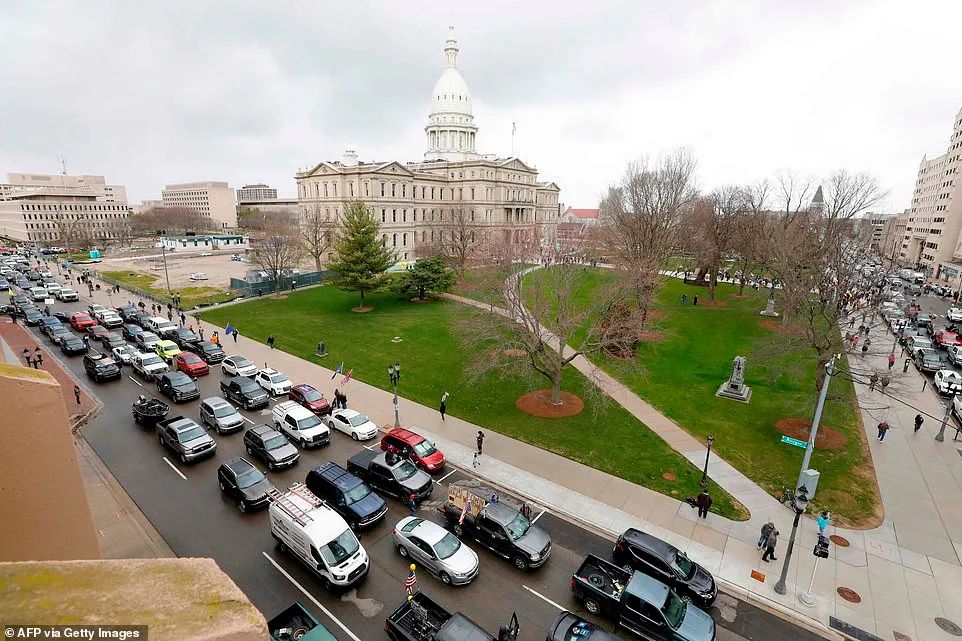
[215, 200]
[415, 201]
[54, 209]
[932, 234]
[256, 193]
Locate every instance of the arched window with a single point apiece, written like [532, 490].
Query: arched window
[404, 215]
[404, 240]
[394, 240]
[383, 216]
[394, 215]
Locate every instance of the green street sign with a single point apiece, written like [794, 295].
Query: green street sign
[794, 441]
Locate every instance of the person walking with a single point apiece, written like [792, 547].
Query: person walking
[823, 521]
[886, 379]
[270, 341]
[703, 502]
[26, 356]
[883, 427]
[770, 542]
[183, 319]
[235, 336]
[891, 360]
[200, 332]
[343, 401]
[918, 422]
[851, 322]
[766, 530]
[413, 504]
[480, 441]
[444, 407]
[38, 357]
[684, 299]
[872, 381]
[76, 393]
[694, 300]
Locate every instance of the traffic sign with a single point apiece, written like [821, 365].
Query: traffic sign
[794, 441]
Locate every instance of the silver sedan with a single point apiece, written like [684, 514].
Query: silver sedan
[435, 549]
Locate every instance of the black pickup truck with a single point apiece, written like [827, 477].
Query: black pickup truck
[499, 526]
[391, 474]
[640, 603]
[423, 619]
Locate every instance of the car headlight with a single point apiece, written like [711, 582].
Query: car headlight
[338, 577]
[536, 556]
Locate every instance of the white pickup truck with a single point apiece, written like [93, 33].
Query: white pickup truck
[300, 425]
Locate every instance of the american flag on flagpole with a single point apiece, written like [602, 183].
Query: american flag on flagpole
[339, 370]
[410, 583]
[347, 377]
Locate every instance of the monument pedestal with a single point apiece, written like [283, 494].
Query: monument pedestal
[735, 388]
[770, 309]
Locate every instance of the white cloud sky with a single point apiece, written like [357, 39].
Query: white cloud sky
[149, 93]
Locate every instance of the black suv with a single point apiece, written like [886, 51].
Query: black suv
[244, 483]
[244, 391]
[209, 352]
[272, 447]
[642, 552]
[177, 386]
[348, 495]
[185, 338]
[100, 367]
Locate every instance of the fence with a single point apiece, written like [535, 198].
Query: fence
[267, 286]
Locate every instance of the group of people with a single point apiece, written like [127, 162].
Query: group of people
[33, 358]
[340, 400]
[768, 538]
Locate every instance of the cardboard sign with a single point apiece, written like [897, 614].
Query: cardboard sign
[458, 496]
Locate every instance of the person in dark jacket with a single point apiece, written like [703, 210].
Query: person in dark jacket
[766, 530]
[703, 502]
[918, 422]
[770, 542]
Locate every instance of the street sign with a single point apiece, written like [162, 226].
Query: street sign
[794, 441]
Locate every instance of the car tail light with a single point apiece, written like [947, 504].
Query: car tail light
[618, 546]
[573, 583]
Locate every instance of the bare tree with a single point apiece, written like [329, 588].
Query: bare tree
[751, 230]
[172, 220]
[457, 238]
[317, 230]
[711, 227]
[641, 218]
[275, 245]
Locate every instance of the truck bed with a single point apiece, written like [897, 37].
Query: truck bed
[602, 577]
[362, 460]
[419, 619]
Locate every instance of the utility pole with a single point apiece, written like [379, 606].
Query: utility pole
[163, 251]
[945, 419]
[816, 420]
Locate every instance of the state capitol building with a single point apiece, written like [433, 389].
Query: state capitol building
[414, 201]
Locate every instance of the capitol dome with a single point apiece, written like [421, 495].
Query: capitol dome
[450, 130]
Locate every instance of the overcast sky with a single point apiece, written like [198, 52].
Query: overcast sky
[157, 92]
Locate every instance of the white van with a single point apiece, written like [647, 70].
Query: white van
[308, 529]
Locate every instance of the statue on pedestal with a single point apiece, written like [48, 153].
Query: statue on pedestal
[735, 388]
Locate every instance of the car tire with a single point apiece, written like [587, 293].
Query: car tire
[160, 439]
[242, 506]
[445, 578]
[403, 551]
[521, 563]
[592, 606]
[458, 530]
[354, 436]
[270, 465]
[249, 450]
[304, 444]
[627, 568]
[221, 484]
[183, 458]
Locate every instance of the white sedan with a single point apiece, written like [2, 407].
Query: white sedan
[954, 314]
[948, 381]
[238, 366]
[352, 423]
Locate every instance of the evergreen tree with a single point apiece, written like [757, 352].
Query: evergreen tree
[362, 258]
[426, 275]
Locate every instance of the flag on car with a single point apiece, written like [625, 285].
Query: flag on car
[339, 370]
[410, 584]
[464, 511]
[347, 377]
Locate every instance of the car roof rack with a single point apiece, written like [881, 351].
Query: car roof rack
[284, 501]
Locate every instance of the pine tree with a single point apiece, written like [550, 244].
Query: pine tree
[362, 258]
[427, 275]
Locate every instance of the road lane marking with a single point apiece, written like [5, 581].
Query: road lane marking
[311, 597]
[174, 468]
[368, 447]
[543, 598]
[441, 480]
[134, 379]
[247, 419]
[540, 514]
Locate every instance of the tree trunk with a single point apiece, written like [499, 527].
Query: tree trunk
[317, 263]
[362, 298]
[556, 389]
[712, 282]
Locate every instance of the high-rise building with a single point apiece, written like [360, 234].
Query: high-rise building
[256, 193]
[215, 200]
[55, 209]
[932, 239]
[416, 202]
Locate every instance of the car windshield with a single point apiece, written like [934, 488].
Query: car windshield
[224, 410]
[190, 359]
[152, 360]
[277, 378]
[425, 448]
[446, 547]
[249, 386]
[180, 381]
[165, 325]
[312, 395]
[250, 477]
[683, 566]
[191, 433]
[339, 549]
[518, 527]
[275, 442]
[356, 493]
[674, 610]
[404, 470]
[148, 337]
[358, 420]
[308, 422]
[241, 362]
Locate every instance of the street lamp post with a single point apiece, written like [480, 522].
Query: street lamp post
[704, 474]
[945, 419]
[799, 501]
[394, 372]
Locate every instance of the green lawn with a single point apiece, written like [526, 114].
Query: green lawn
[433, 361]
[189, 296]
[680, 374]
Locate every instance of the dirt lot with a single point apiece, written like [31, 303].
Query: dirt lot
[218, 267]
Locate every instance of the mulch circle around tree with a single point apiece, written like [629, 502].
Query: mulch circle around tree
[776, 326]
[538, 403]
[948, 626]
[656, 313]
[668, 476]
[828, 437]
[515, 353]
[840, 541]
[849, 595]
[650, 337]
[712, 303]
[362, 310]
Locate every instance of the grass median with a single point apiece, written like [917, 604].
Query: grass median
[433, 362]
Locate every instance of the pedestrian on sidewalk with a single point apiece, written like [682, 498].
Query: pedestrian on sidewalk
[851, 323]
[215, 338]
[343, 401]
[170, 315]
[76, 393]
[337, 399]
[770, 542]
[270, 341]
[38, 357]
[480, 441]
[703, 502]
[891, 360]
[413, 504]
[235, 336]
[200, 332]
[905, 366]
[883, 427]
[823, 520]
[865, 346]
[872, 381]
[766, 530]
[183, 319]
[26, 356]
[918, 422]
[444, 406]
[886, 379]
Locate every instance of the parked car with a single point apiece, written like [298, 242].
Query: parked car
[63, 316]
[110, 319]
[568, 626]
[177, 386]
[353, 423]
[167, 350]
[300, 425]
[436, 550]
[245, 392]
[56, 333]
[410, 445]
[272, 447]
[97, 332]
[130, 331]
[954, 314]
[220, 415]
[238, 366]
[954, 354]
[148, 365]
[94, 309]
[945, 339]
[391, 475]
[274, 382]
[185, 338]
[209, 352]
[111, 340]
[188, 440]
[307, 396]
[947, 381]
[924, 319]
[141, 319]
[928, 360]
[100, 367]
[46, 323]
[128, 312]
[190, 363]
[915, 343]
[146, 341]
[80, 321]
[639, 551]
[124, 354]
[71, 344]
[160, 326]
[348, 495]
[38, 293]
[241, 481]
